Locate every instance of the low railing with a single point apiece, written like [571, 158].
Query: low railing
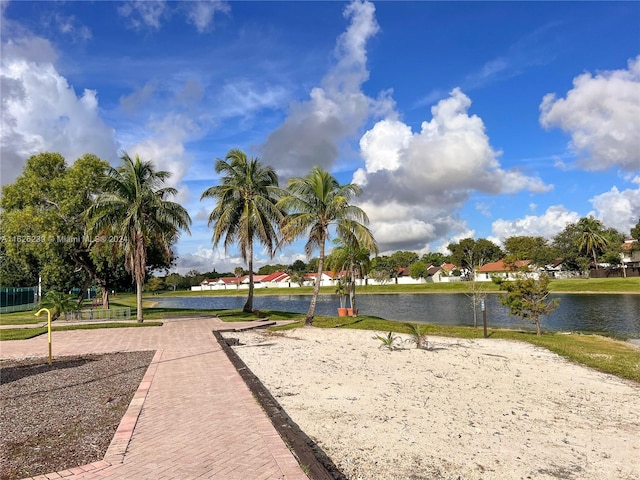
[18, 308]
[99, 315]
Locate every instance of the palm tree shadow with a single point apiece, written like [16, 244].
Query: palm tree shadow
[14, 373]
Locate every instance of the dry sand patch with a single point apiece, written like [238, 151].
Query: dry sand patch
[470, 409]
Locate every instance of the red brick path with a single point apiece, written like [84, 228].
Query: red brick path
[192, 417]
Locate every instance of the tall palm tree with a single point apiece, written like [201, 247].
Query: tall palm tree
[135, 209]
[246, 210]
[592, 241]
[315, 202]
[355, 260]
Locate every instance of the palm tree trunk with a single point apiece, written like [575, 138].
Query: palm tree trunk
[316, 287]
[139, 271]
[248, 307]
[352, 289]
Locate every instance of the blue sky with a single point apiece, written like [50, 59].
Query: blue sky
[482, 119]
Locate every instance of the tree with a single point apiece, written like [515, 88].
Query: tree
[403, 259]
[355, 260]
[528, 298]
[419, 269]
[156, 284]
[434, 258]
[46, 206]
[592, 241]
[316, 202]
[246, 210]
[135, 210]
[59, 303]
[298, 266]
[635, 231]
[471, 254]
[536, 249]
[383, 269]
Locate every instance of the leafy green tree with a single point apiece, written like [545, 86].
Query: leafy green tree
[434, 258]
[246, 209]
[383, 269]
[635, 231]
[46, 206]
[471, 254]
[135, 209]
[403, 259]
[528, 298]
[419, 269]
[269, 269]
[298, 266]
[536, 249]
[156, 284]
[316, 202]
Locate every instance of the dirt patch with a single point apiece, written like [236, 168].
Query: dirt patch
[64, 415]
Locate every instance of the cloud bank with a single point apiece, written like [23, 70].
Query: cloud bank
[602, 115]
[42, 112]
[415, 181]
[315, 129]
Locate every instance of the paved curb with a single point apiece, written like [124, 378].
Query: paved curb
[316, 464]
[120, 441]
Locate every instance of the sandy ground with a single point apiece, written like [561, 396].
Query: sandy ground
[481, 409]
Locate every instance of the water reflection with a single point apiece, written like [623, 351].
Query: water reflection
[614, 314]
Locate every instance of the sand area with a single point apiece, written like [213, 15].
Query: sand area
[462, 409]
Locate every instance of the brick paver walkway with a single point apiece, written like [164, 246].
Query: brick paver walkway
[193, 417]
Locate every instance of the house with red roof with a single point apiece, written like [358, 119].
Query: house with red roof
[507, 271]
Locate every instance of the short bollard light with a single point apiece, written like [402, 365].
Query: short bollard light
[48, 328]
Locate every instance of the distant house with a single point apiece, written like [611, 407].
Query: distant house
[435, 274]
[631, 253]
[327, 279]
[507, 271]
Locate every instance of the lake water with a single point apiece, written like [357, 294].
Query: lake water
[616, 314]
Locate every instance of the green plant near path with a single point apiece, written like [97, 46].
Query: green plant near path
[58, 303]
[388, 341]
[418, 334]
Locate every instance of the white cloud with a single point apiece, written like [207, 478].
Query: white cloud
[201, 13]
[150, 14]
[143, 13]
[164, 145]
[41, 111]
[314, 129]
[618, 209]
[382, 145]
[416, 181]
[602, 115]
[547, 225]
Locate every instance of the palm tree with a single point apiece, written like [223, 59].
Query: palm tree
[355, 260]
[592, 241]
[246, 210]
[134, 207]
[59, 303]
[316, 202]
